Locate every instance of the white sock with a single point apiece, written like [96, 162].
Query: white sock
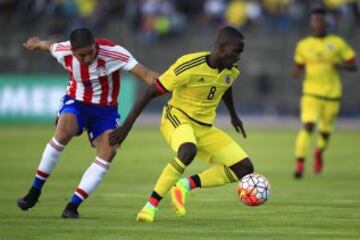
[50, 157]
[92, 178]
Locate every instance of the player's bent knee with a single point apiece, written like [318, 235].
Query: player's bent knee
[325, 135]
[309, 127]
[108, 154]
[242, 168]
[63, 136]
[187, 153]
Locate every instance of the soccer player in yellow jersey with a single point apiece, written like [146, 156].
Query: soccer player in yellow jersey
[322, 56]
[198, 82]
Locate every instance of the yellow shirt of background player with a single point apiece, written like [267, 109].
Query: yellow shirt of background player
[319, 55]
[197, 88]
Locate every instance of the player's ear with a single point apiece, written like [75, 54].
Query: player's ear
[220, 47]
[73, 50]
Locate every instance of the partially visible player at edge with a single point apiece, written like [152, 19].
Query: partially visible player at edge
[322, 56]
[198, 82]
[90, 104]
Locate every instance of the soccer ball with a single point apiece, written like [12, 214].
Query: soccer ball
[253, 189]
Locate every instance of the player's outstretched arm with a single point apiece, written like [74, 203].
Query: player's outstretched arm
[120, 133]
[35, 43]
[144, 74]
[235, 120]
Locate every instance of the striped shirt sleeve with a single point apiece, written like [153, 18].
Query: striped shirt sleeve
[118, 58]
[60, 50]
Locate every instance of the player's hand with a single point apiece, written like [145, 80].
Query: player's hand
[119, 135]
[296, 73]
[238, 125]
[32, 43]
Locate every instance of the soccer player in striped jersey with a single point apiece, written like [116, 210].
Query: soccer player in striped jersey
[322, 56]
[90, 104]
[198, 82]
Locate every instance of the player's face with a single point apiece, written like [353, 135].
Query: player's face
[231, 53]
[85, 55]
[318, 24]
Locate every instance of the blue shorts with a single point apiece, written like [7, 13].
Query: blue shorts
[95, 119]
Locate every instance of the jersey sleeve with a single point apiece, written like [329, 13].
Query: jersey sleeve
[118, 58]
[298, 55]
[170, 80]
[60, 50]
[345, 51]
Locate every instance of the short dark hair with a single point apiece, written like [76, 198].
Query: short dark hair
[318, 10]
[227, 34]
[81, 37]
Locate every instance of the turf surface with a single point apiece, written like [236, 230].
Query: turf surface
[317, 207]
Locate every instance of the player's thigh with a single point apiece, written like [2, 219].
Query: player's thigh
[69, 122]
[176, 129]
[309, 108]
[103, 149]
[67, 125]
[218, 147]
[104, 122]
[330, 111]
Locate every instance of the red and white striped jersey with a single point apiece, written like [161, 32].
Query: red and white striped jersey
[98, 83]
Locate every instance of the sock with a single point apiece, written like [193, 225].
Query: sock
[90, 180]
[194, 181]
[217, 175]
[300, 164]
[48, 162]
[169, 176]
[190, 182]
[302, 143]
[321, 143]
[154, 199]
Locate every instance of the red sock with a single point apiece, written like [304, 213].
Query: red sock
[154, 201]
[300, 164]
[192, 183]
[318, 161]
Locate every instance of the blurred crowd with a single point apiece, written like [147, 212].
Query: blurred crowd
[154, 20]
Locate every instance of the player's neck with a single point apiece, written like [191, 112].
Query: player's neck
[320, 35]
[212, 63]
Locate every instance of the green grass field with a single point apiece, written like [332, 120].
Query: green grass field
[317, 207]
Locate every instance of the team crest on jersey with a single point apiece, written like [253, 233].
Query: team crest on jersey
[228, 80]
[330, 47]
[101, 71]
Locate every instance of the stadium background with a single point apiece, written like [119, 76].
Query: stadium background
[157, 32]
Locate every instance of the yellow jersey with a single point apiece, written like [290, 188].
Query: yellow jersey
[197, 88]
[319, 55]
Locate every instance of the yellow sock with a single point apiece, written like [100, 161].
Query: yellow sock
[169, 176]
[302, 143]
[321, 142]
[217, 175]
